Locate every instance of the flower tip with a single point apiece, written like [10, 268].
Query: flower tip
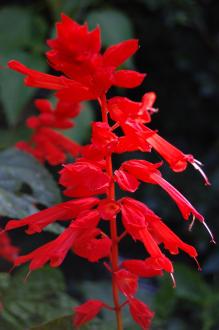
[173, 280]
[197, 165]
[210, 233]
[27, 276]
[199, 267]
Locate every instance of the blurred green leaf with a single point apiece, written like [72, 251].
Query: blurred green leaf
[40, 299]
[190, 284]
[15, 27]
[9, 139]
[13, 94]
[81, 131]
[65, 323]
[18, 168]
[115, 25]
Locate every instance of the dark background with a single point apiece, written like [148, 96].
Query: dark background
[180, 53]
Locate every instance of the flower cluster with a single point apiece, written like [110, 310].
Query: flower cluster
[90, 181]
[8, 251]
[46, 143]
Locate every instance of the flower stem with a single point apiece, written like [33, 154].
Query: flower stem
[113, 225]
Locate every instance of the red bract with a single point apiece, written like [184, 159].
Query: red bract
[140, 313]
[86, 312]
[127, 282]
[88, 74]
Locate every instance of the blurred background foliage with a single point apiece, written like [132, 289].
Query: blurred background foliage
[180, 52]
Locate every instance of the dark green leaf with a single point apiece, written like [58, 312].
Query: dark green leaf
[15, 27]
[18, 168]
[14, 95]
[115, 25]
[40, 299]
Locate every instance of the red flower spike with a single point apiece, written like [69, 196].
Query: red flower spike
[108, 209]
[141, 314]
[126, 282]
[88, 75]
[86, 312]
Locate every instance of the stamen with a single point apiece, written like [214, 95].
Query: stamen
[152, 110]
[27, 276]
[173, 280]
[209, 231]
[197, 165]
[192, 223]
[199, 267]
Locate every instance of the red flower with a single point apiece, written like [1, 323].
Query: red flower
[63, 211]
[177, 160]
[147, 172]
[86, 312]
[141, 314]
[46, 144]
[83, 179]
[122, 108]
[53, 252]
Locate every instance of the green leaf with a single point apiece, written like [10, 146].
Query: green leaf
[15, 27]
[81, 131]
[115, 25]
[190, 285]
[13, 94]
[16, 169]
[40, 299]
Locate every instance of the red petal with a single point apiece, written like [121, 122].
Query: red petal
[119, 53]
[141, 314]
[86, 312]
[128, 78]
[143, 268]
[126, 282]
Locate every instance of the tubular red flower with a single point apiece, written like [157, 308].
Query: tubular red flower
[53, 252]
[63, 211]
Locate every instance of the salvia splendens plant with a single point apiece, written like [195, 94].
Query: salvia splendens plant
[88, 74]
